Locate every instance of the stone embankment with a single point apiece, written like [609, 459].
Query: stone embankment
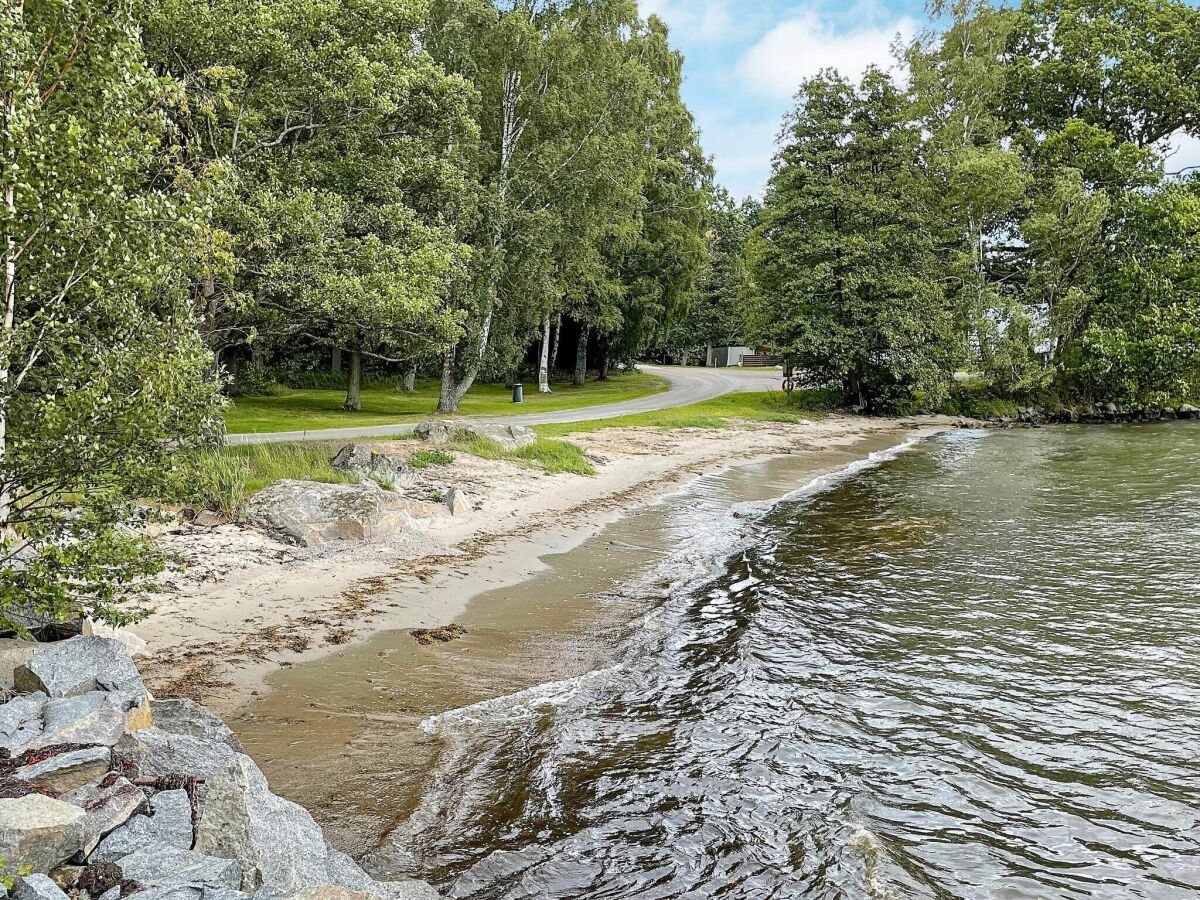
[1101, 414]
[106, 792]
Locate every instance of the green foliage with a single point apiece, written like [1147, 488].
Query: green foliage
[425, 459]
[846, 255]
[101, 369]
[350, 152]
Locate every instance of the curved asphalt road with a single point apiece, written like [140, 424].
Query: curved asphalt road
[688, 386]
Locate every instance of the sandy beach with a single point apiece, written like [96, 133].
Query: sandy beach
[248, 605]
[309, 652]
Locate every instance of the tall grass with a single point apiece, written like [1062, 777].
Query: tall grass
[550, 456]
[225, 480]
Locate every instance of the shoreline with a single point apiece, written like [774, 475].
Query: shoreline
[250, 606]
[345, 735]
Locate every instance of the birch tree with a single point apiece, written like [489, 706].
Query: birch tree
[556, 83]
[101, 368]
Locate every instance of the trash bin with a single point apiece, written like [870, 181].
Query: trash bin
[518, 393]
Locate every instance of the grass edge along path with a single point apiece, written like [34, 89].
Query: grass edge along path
[315, 409]
[230, 477]
[720, 412]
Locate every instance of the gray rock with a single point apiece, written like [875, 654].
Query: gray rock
[153, 752]
[459, 502]
[13, 652]
[67, 771]
[111, 894]
[21, 721]
[1187, 411]
[347, 873]
[38, 887]
[90, 718]
[276, 841]
[186, 717]
[107, 804]
[39, 832]
[79, 665]
[440, 432]
[311, 513]
[170, 826]
[165, 866]
[374, 467]
[222, 893]
[171, 892]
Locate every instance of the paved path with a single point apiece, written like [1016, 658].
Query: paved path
[688, 386]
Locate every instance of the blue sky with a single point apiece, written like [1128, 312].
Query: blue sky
[745, 59]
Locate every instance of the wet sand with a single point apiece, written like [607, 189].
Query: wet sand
[339, 734]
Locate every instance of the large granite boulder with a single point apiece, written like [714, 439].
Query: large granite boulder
[186, 717]
[167, 866]
[374, 467]
[90, 718]
[170, 826]
[311, 513]
[276, 841]
[21, 721]
[107, 804]
[38, 887]
[64, 772]
[440, 432]
[39, 832]
[80, 665]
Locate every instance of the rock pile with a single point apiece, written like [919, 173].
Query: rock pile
[440, 432]
[106, 793]
[1101, 414]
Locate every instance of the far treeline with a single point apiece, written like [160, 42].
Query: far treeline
[200, 196]
[1007, 209]
[194, 189]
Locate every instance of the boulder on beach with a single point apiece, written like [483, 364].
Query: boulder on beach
[311, 513]
[440, 432]
[169, 826]
[80, 665]
[374, 467]
[277, 842]
[39, 832]
[187, 717]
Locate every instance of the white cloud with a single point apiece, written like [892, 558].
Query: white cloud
[803, 45]
[705, 20]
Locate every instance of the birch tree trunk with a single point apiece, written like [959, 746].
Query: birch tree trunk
[15, 9]
[554, 343]
[544, 365]
[511, 128]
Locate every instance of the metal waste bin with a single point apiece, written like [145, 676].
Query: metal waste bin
[518, 393]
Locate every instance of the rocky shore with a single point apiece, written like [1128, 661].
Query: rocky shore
[106, 792]
[1100, 414]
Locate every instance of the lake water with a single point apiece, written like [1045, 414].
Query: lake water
[968, 668]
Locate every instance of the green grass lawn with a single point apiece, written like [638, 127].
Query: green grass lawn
[299, 410]
[765, 406]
